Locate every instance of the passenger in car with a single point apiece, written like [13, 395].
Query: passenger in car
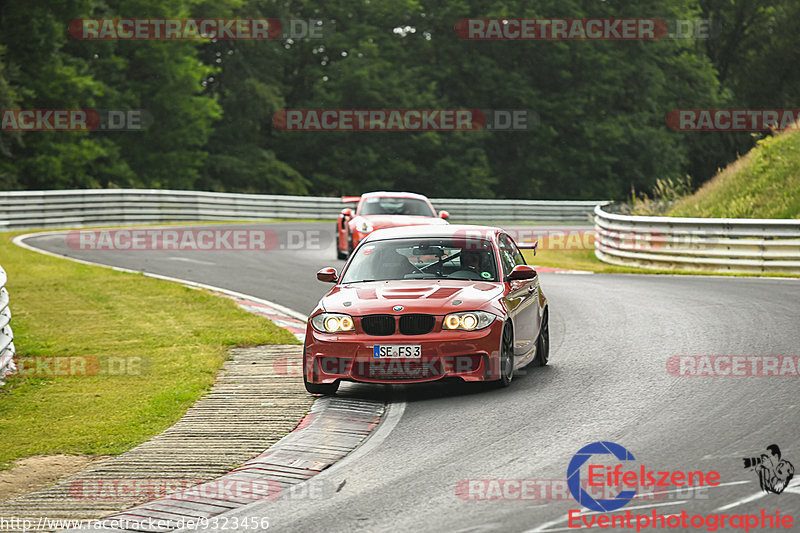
[393, 264]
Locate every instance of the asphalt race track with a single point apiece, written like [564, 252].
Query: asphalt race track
[611, 338]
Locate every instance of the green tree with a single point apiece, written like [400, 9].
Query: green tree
[754, 48]
[163, 78]
[34, 36]
[8, 140]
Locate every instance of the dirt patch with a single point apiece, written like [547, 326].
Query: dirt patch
[35, 472]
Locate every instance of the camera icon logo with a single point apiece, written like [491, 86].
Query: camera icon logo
[774, 473]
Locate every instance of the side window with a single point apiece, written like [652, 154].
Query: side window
[509, 254]
[506, 254]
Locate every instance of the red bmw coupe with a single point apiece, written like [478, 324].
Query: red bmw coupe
[423, 303]
[376, 210]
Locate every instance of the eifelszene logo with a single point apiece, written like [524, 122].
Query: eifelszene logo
[574, 476]
[774, 473]
[602, 475]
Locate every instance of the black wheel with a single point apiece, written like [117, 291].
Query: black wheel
[326, 389]
[506, 357]
[543, 342]
[350, 245]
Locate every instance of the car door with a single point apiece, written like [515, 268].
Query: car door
[521, 298]
[341, 232]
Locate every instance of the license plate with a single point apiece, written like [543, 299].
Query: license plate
[397, 351]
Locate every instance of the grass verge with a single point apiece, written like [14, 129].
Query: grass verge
[571, 260]
[155, 346]
[764, 183]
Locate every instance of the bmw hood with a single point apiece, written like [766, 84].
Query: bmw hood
[391, 221]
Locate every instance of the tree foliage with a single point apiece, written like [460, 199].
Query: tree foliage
[600, 105]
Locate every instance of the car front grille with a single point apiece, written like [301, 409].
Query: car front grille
[380, 325]
[416, 324]
[411, 324]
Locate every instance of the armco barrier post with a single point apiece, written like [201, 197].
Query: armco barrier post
[6, 335]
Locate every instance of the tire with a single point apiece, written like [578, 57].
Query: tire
[350, 245]
[326, 389]
[543, 342]
[506, 357]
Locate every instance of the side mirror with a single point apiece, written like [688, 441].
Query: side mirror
[444, 215]
[347, 212]
[520, 272]
[327, 274]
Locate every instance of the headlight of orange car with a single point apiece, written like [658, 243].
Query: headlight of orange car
[469, 320]
[332, 322]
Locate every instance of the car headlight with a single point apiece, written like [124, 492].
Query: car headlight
[469, 320]
[364, 226]
[332, 322]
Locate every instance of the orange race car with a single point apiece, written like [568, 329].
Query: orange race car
[377, 210]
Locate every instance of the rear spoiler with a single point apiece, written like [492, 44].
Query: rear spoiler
[528, 246]
[350, 199]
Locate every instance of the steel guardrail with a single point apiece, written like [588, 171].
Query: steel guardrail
[6, 335]
[63, 208]
[706, 244]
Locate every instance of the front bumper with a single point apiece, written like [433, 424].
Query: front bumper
[468, 355]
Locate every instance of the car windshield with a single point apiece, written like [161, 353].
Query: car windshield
[392, 205]
[423, 258]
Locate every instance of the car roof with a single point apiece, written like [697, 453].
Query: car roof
[444, 230]
[394, 194]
